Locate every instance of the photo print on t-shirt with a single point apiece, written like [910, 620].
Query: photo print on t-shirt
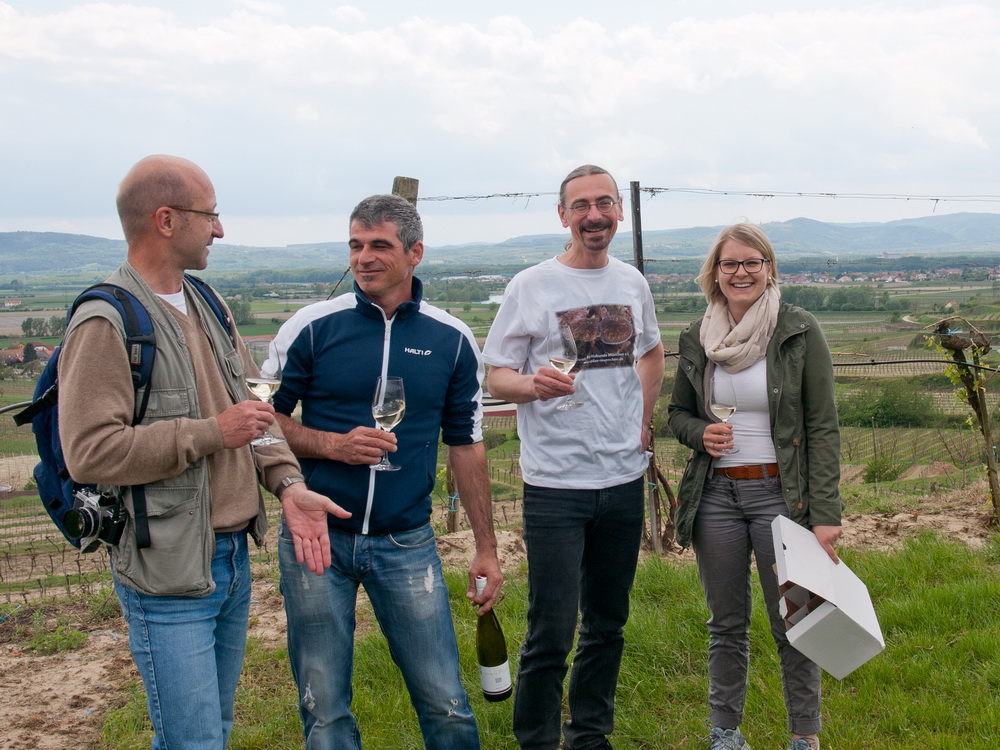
[604, 334]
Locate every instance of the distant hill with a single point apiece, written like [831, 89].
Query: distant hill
[52, 252]
[952, 233]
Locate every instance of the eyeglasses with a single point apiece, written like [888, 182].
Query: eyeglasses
[213, 215]
[751, 265]
[604, 205]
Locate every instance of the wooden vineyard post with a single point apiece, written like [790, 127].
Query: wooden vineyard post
[406, 187]
[454, 502]
[970, 376]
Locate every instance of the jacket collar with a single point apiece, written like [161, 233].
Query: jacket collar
[369, 309]
[790, 322]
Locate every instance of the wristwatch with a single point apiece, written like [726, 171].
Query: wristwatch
[288, 482]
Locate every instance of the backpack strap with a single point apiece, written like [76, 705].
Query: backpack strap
[213, 300]
[140, 346]
[140, 338]
[46, 401]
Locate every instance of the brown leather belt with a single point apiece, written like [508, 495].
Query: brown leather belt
[757, 471]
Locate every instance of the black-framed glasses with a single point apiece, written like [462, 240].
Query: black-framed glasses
[751, 265]
[604, 205]
[213, 215]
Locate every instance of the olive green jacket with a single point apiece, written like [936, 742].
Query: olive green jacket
[803, 413]
[179, 560]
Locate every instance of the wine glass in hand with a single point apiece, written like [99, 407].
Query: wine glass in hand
[265, 384]
[388, 406]
[723, 403]
[562, 356]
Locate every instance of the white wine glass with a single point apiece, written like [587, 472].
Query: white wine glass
[265, 385]
[388, 407]
[723, 403]
[562, 356]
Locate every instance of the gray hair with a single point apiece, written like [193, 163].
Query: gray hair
[379, 209]
[583, 171]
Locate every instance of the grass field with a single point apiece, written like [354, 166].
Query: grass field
[934, 686]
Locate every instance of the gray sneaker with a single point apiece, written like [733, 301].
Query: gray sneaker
[803, 743]
[726, 739]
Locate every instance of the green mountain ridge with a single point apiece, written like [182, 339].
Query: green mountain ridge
[29, 253]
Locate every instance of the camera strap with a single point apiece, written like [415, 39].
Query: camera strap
[141, 518]
[140, 512]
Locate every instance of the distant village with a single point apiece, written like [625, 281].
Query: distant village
[33, 349]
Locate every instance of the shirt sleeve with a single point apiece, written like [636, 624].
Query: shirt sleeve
[650, 328]
[508, 343]
[461, 422]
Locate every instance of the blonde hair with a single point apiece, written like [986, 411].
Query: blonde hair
[747, 234]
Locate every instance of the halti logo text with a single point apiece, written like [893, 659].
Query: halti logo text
[422, 352]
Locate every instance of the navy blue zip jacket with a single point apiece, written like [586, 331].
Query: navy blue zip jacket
[331, 354]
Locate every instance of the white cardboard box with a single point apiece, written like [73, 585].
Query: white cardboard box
[826, 607]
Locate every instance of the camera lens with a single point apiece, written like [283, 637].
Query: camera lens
[81, 522]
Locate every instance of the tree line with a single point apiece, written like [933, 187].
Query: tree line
[42, 328]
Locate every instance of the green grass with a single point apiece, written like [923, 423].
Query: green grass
[934, 685]
[62, 638]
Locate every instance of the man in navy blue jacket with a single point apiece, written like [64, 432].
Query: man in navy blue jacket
[331, 354]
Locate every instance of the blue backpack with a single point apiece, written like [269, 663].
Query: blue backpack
[56, 487]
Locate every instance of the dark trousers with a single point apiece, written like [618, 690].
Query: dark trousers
[583, 546]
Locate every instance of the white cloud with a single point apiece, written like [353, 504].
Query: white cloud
[299, 108]
[348, 14]
[259, 6]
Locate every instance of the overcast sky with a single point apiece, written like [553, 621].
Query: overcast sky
[298, 109]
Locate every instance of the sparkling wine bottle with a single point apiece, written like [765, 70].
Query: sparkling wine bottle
[491, 652]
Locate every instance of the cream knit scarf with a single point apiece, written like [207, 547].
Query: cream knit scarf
[736, 346]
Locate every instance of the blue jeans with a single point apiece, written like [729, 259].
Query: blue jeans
[734, 519]
[583, 547]
[189, 651]
[401, 574]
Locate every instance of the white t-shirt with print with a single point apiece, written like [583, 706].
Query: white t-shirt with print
[613, 319]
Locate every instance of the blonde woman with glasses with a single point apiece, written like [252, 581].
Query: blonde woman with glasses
[753, 398]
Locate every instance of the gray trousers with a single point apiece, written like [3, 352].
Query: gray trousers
[733, 520]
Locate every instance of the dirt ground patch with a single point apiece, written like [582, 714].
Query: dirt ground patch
[960, 515]
[16, 470]
[58, 701]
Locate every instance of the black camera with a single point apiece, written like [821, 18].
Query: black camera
[96, 517]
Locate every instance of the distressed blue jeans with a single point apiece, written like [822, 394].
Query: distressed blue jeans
[734, 520]
[401, 574]
[189, 651]
[583, 547]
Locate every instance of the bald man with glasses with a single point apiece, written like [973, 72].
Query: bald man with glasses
[184, 587]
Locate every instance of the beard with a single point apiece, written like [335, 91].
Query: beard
[599, 242]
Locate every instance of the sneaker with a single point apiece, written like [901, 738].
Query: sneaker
[804, 743]
[726, 739]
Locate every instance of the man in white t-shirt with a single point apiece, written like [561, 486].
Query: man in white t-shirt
[582, 466]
